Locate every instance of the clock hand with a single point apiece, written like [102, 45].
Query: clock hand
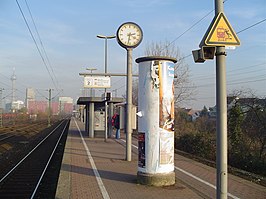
[129, 35]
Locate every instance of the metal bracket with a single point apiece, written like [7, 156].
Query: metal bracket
[221, 53]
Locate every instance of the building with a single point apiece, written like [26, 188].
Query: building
[35, 107]
[62, 107]
[30, 96]
[66, 105]
[14, 106]
[192, 115]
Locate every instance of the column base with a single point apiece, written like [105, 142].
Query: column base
[158, 180]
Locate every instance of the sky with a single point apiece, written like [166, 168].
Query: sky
[68, 31]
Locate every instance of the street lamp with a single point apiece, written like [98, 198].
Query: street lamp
[105, 47]
[91, 69]
[105, 71]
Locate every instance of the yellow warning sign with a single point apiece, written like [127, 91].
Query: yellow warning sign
[221, 33]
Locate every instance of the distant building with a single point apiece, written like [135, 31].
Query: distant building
[66, 100]
[212, 112]
[61, 107]
[65, 105]
[14, 106]
[30, 96]
[35, 107]
[192, 115]
[30, 93]
[245, 104]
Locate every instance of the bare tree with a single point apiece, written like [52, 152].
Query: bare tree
[134, 93]
[184, 90]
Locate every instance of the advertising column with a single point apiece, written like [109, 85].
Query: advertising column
[156, 121]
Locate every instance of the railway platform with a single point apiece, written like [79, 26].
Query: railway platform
[93, 168]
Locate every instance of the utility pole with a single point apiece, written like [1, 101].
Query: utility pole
[221, 121]
[1, 110]
[49, 107]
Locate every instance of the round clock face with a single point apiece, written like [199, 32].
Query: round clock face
[129, 35]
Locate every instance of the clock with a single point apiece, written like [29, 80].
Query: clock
[129, 35]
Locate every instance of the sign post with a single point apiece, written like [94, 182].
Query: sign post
[221, 120]
[219, 34]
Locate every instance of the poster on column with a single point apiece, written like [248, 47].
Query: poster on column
[166, 112]
[141, 148]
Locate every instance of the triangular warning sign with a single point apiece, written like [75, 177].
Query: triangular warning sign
[221, 33]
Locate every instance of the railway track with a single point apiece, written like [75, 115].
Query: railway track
[5, 136]
[25, 179]
[25, 129]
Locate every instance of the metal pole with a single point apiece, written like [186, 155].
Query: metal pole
[129, 105]
[105, 71]
[49, 108]
[105, 103]
[110, 113]
[105, 57]
[91, 120]
[221, 122]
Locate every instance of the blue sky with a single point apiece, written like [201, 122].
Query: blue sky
[68, 31]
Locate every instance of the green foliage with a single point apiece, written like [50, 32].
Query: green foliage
[197, 144]
[246, 137]
[197, 138]
[235, 120]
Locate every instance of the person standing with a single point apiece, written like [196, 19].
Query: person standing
[117, 126]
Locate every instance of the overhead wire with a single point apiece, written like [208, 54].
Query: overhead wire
[34, 40]
[40, 40]
[251, 26]
[235, 71]
[248, 67]
[236, 33]
[192, 26]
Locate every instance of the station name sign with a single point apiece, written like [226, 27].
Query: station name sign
[97, 82]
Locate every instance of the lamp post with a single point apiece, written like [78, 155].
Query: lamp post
[105, 71]
[91, 69]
